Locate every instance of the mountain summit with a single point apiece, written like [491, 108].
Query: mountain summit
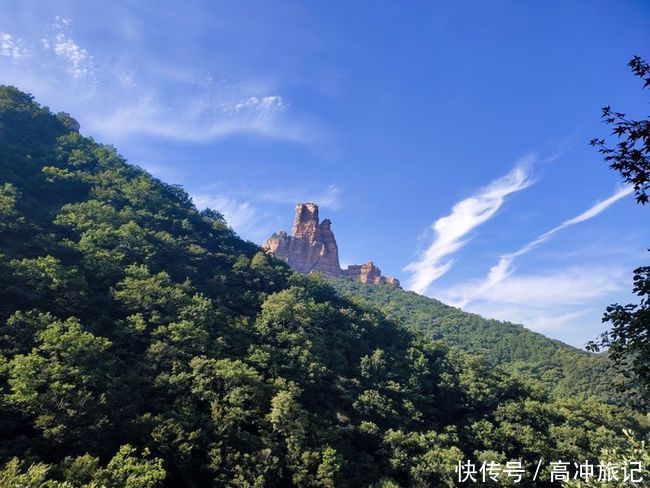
[313, 248]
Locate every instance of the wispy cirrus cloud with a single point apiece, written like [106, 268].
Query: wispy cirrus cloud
[247, 210]
[247, 219]
[546, 320]
[570, 286]
[197, 119]
[451, 232]
[329, 197]
[132, 98]
[239, 214]
[550, 300]
[467, 292]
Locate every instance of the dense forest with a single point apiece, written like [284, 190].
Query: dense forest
[143, 344]
[563, 369]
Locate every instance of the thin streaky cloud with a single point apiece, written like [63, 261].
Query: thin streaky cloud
[328, 198]
[505, 266]
[248, 220]
[539, 319]
[550, 299]
[599, 207]
[191, 124]
[574, 285]
[451, 231]
[239, 215]
[187, 107]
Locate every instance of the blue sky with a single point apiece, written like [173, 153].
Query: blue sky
[447, 141]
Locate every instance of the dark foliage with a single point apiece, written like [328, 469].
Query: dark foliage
[563, 369]
[628, 340]
[142, 343]
[631, 156]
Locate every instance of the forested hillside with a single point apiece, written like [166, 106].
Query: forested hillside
[562, 368]
[143, 344]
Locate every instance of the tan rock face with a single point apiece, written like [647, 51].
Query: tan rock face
[313, 248]
[305, 222]
[369, 273]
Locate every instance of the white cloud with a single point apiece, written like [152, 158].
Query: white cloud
[329, 197]
[243, 216]
[598, 208]
[62, 23]
[246, 211]
[273, 102]
[451, 230]
[11, 47]
[239, 215]
[565, 287]
[198, 120]
[469, 291]
[555, 300]
[117, 96]
[79, 62]
[59, 44]
[553, 322]
[537, 319]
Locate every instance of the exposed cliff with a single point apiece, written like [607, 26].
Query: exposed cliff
[313, 248]
[369, 273]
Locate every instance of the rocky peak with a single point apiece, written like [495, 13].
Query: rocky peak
[313, 248]
[305, 223]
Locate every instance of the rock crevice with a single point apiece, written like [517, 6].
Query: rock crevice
[313, 248]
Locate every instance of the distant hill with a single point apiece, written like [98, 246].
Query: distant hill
[564, 368]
